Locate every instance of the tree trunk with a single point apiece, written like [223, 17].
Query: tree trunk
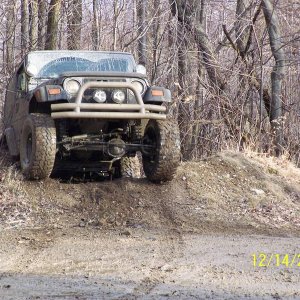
[10, 35]
[155, 38]
[24, 26]
[184, 115]
[277, 74]
[242, 33]
[74, 24]
[96, 25]
[34, 20]
[42, 16]
[115, 25]
[142, 41]
[242, 26]
[199, 89]
[52, 26]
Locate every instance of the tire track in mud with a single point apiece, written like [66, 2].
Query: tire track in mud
[168, 252]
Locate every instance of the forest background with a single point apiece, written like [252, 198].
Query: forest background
[232, 65]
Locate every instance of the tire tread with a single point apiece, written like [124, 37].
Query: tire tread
[168, 157]
[45, 150]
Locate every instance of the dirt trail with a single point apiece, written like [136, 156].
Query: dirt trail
[92, 264]
[129, 239]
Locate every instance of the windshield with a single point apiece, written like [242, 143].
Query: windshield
[50, 64]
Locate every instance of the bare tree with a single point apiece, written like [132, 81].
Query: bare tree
[155, 38]
[199, 89]
[184, 113]
[185, 12]
[118, 8]
[242, 26]
[34, 20]
[24, 25]
[74, 24]
[10, 35]
[96, 25]
[52, 26]
[223, 60]
[142, 41]
[277, 73]
[42, 18]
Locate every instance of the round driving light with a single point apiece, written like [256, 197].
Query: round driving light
[138, 86]
[100, 96]
[118, 96]
[71, 86]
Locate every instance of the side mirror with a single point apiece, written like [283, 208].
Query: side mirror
[141, 69]
[31, 70]
[22, 82]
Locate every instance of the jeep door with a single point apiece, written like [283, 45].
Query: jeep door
[20, 110]
[9, 104]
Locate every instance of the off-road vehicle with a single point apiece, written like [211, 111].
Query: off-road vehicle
[83, 111]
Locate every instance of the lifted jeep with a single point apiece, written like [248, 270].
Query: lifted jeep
[82, 111]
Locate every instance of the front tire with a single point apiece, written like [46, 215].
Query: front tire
[160, 163]
[38, 146]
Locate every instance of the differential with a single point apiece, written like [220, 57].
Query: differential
[116, 148]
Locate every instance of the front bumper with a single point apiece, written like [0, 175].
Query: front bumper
[107, 110]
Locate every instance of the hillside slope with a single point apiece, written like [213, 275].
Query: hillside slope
[229, 192]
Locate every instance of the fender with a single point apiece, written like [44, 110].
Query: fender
[11, 142]
[49, 93]
[157, 95]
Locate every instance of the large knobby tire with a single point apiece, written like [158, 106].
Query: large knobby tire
[38, 146]
[130, 167]
[160, 164]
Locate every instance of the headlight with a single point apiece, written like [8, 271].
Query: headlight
[139, 86]
[100, 96]
[71, 86]
[118, 96]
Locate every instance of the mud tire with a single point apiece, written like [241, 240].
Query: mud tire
[130, 167]
[161, 164]
[38, 146]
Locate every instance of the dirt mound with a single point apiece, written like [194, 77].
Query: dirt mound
[230, 191]
[247, 191]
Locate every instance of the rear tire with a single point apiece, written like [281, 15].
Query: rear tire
[130, 167]
[161, 163]
[38, 146]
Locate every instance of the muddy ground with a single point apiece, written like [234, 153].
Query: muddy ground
[192, 238]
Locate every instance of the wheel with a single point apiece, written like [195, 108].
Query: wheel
[130, 167]
[38, 146]
[160, 163]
